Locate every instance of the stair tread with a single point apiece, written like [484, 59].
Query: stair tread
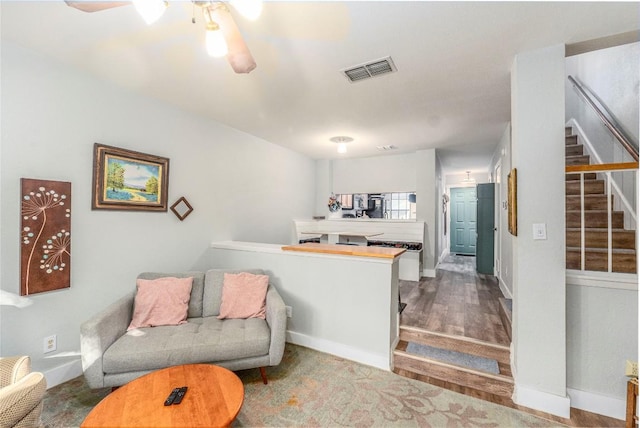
[598, 229]
[588, 195]
[498, 377]
[594, 211]
[604, 250]
[456, 337]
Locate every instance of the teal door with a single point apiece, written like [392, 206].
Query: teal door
[463, 221]
[486, 228]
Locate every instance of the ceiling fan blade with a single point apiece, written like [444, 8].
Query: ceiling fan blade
[239, 56]
[92, 6]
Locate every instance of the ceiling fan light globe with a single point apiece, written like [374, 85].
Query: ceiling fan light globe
[150, 10]
[216, 45]
[250, 9]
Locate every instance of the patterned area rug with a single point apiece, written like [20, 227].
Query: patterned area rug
[314, 389]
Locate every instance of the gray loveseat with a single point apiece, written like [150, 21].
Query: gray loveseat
[112, 357]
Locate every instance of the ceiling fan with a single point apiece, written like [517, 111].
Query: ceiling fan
[223, 37]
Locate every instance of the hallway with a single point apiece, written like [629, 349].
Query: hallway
[458, 301]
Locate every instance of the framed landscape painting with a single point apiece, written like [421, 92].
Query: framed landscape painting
[128, 180]
[512, 202]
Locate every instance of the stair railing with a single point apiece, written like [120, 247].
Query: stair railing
[607, 169]
[628, 207]
[631, 148]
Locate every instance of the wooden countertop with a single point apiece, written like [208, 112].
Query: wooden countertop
[347, 250]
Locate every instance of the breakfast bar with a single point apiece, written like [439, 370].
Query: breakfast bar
[347, 250]
[342, 299]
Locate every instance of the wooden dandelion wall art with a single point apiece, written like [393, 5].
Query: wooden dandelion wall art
[45, 242]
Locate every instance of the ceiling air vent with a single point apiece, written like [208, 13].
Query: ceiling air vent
[387, 148]
[370, 69]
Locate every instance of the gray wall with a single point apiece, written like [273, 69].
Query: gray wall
[613, 76]
[502, 156]
[539, 304]
[51, 116]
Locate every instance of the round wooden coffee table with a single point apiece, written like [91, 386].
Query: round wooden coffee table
[213, 399]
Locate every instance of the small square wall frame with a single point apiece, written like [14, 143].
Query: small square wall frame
[182, 208]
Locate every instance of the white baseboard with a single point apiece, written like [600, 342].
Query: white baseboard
[596, 403]
[444, 254]
[63, 373]
[543, 401]
[429, 273]
[338, 349]
[505, 290]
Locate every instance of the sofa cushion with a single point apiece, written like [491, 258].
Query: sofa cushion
[201, 340]
[243, 296]
[162, 301]
[197, 288]
[212, 295]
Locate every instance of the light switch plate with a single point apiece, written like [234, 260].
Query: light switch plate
[539, 231]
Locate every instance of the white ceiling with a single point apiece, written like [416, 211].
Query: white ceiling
[451, 90]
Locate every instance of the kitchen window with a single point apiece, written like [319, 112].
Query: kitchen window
[399, 207]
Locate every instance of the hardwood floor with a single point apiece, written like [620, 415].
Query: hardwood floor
[461, 302]
[458, 301]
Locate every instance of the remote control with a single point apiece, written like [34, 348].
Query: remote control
[180, 395]
[171, 397]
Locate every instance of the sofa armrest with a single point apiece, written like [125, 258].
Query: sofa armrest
[98, 333]
[277, 320]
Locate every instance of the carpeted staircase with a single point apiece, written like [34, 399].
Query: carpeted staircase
[623, 241]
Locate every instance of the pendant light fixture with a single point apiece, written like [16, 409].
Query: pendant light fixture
[216, 44]
[468, 179]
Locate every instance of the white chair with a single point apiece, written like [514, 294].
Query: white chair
[21, 393]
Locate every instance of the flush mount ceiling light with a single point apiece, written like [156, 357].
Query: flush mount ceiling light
[342, 142]
[222, 38]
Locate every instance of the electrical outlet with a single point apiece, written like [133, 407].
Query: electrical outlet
[50, 343]
[631, 369]
[289, 311]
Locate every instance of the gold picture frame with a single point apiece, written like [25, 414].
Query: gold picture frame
[512, 202]
[128, 180]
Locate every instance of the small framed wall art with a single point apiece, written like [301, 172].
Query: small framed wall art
[182, 208]
[128, 180]
[512, 202]
[45, 237]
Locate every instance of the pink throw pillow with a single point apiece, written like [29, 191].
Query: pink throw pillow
[244, 296]
[162, 301]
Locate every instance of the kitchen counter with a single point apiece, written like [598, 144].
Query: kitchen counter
[347, 250]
